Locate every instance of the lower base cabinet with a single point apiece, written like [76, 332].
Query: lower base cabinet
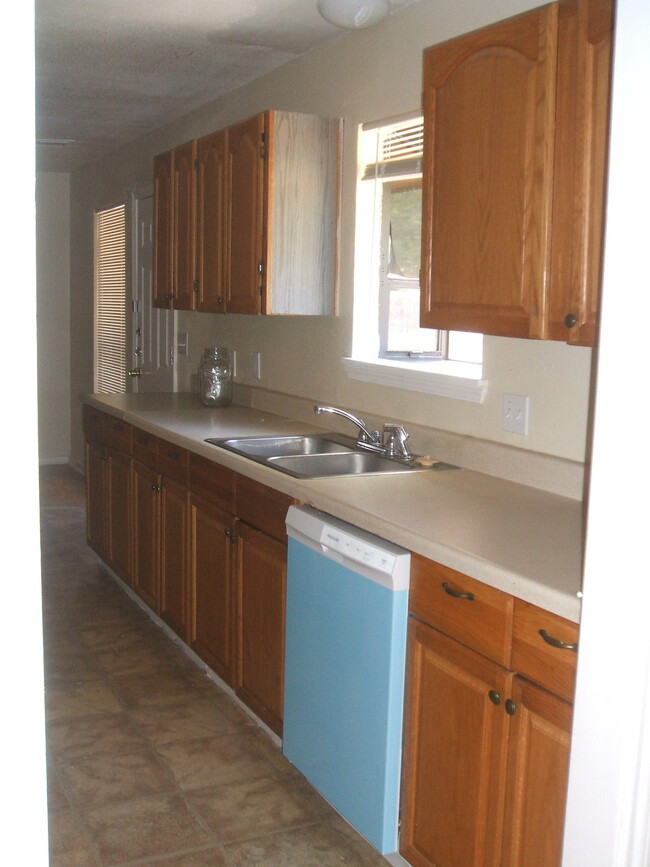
[211, 586]
[261, 603]
[486, 750]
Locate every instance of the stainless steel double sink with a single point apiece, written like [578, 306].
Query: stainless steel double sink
[314, 456]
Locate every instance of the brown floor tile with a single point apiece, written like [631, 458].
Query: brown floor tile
[70, 667]
[85, 737]
[249, 809]
[63, 701]
[121, 662]
[310, 846]
[199, 718]
[68, 845]
[145, 828]
[205, 858]
[101, 780]
[120, 636]
[167, 687]
[214, 761]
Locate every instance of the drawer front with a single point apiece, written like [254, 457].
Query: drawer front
[93, 422]
[117, 434]
[173, 462]
[212, 482]
[145, 448]
[262, 507]
[463, 608]
[536, 656]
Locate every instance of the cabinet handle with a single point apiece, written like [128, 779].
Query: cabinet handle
[511, 707]
[555, 642]
[155, 487]
[494, 697]
[457, 594]
[231, 535]
[570, 320]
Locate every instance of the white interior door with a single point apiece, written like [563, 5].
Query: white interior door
[152, 337]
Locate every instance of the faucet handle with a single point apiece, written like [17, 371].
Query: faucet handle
[395, 437]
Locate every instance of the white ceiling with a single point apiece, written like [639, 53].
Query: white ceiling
[109, 71]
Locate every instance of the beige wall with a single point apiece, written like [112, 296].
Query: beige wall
[53, 314]
[360, 76]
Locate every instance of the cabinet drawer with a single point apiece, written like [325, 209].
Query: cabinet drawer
[173, 462]
[262, 507]
[117, 434]
[538, 660]
[212, 482]
[475, 614]
[145, 448]
[93, 422]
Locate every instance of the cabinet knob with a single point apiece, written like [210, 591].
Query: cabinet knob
[570, 320]
[169, 296]
[155, 487]
[494, 697]
[511, 707]
[231, 535]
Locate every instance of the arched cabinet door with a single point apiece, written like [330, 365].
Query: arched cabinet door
[489, 101]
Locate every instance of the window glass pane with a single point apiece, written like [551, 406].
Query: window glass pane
[405, 209]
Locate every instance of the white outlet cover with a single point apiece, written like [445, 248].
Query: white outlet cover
[514, 416]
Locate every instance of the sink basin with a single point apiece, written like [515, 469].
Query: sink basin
[265, 447]
[315, 456]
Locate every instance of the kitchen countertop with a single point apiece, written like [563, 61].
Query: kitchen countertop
[513, 537]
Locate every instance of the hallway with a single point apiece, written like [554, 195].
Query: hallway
[149, 762]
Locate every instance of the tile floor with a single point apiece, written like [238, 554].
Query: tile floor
[149, 761]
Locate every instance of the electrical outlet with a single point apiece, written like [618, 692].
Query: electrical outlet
[182, 343]
[256, 365]
[514, 416]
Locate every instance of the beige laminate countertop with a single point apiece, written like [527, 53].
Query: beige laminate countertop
[516, 538]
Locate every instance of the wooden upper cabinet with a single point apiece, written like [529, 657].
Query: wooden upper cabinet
[487, 176]
[212, 222]
[184, 225]
[245, 263]
[582, 127]
[513, 174]
[246, 218]
[163, 288]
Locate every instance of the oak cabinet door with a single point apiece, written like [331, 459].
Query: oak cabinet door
[455, 753]
[211, 586]
[489, 102]
[174, 539]
[184, 225]
[581, 142]
[246, 220]
[538, 768]
[146, 535]
[96, 496]
[212, 222]
[163, 286]
[119, 501]
[261, 597]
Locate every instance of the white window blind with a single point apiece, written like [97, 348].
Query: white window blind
[110, 313]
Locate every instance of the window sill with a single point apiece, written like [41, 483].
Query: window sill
[443, 378]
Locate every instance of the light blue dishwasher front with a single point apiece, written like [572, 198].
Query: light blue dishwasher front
[347, 595]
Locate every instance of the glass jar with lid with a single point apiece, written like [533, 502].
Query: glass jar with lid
[215, 377]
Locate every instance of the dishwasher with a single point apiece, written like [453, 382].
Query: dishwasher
[347, 595]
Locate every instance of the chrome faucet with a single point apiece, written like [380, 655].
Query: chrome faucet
[392, 444]
[366, 438]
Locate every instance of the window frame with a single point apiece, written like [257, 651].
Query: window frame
[432, 375]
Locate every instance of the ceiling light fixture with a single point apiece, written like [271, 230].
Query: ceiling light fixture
[353, 14]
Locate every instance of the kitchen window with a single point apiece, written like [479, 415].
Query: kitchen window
[110, 301]
[389, 346]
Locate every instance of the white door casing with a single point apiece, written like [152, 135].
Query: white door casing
[152, 329]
